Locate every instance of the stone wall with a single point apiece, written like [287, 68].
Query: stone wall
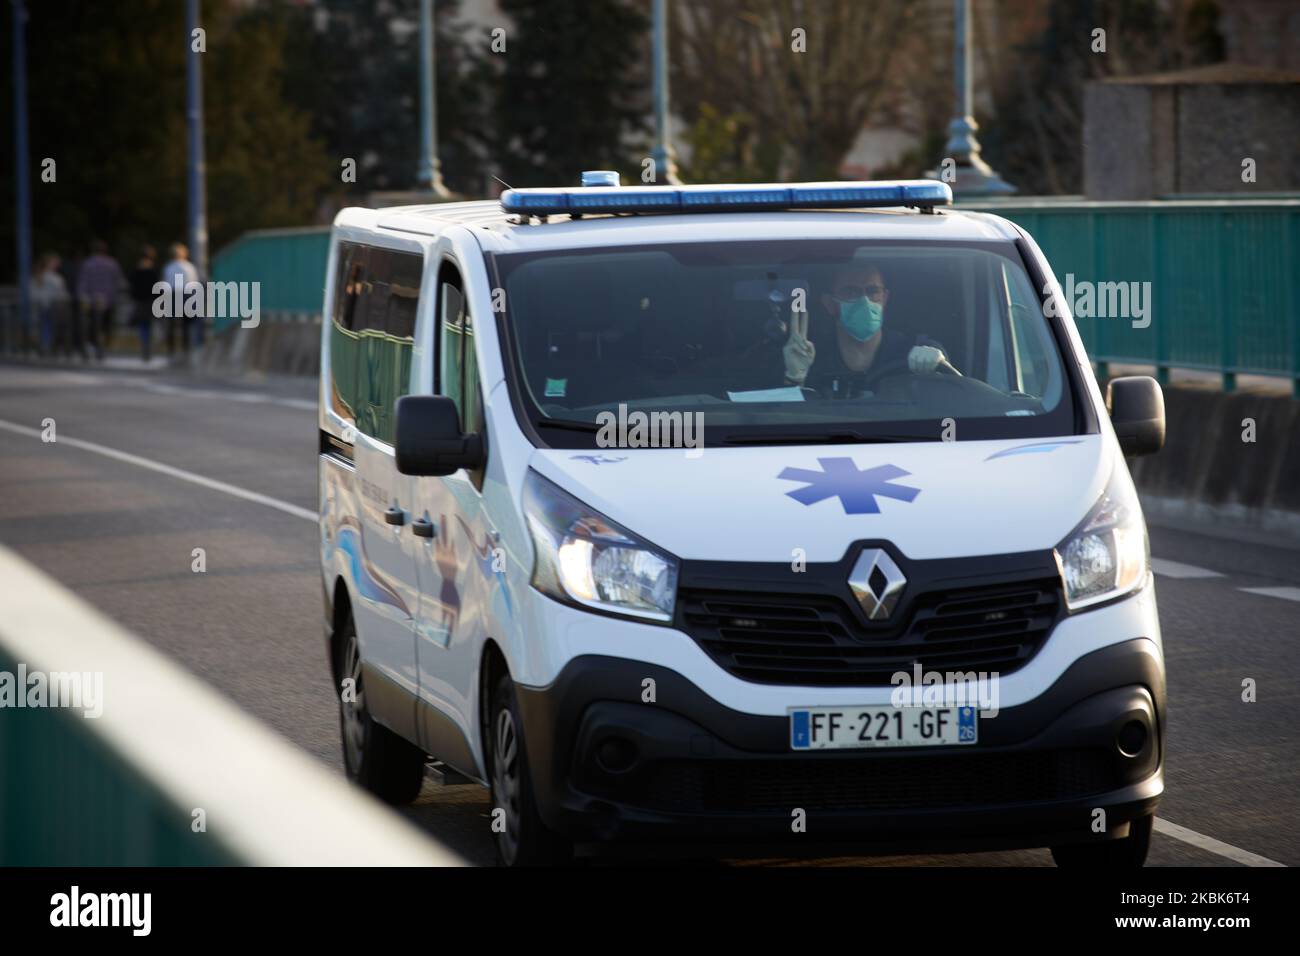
[1188, 133]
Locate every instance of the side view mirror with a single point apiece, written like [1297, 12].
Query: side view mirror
[1137, 411]
[429, 440]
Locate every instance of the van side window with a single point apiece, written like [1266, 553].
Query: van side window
[451, 314]
[458, 376]
[349, 282]
[373, 334]
[1030, 347]
[351, 275]
[404, 298]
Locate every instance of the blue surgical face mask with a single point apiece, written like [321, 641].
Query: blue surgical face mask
[861, 318]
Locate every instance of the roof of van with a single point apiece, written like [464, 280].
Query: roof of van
[503, 232]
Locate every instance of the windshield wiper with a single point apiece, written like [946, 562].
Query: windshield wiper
[827, 438]
[568, 424]
[845, 437]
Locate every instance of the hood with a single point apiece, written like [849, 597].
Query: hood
[930, 499]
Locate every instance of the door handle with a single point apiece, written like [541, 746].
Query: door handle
[424, 528]
[395, 515]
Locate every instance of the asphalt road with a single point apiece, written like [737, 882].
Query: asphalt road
[121, 535]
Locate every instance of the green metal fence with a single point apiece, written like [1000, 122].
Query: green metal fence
[288, 263]
[1224, 276]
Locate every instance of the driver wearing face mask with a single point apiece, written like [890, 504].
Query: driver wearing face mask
[856, 304]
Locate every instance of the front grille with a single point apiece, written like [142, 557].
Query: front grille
[818, 640]
[888, 783]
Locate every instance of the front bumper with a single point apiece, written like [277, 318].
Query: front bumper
[608, 766]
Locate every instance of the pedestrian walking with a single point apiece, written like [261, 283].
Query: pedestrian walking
[50, 302]
[143, 278]
[98, 285]
[180, 273]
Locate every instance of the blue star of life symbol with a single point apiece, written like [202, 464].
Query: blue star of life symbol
[857, 490]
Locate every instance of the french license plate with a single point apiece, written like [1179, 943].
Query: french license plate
[848, 728]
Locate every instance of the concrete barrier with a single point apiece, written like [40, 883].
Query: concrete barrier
[1209, 473]
[283, 343]
[129, 786]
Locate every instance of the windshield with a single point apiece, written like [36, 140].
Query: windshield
[770, 342]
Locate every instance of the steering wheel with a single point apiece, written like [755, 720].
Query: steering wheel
[895, 368]
[899, 366]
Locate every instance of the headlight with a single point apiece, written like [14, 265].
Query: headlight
[584, 558]
[1108, 554]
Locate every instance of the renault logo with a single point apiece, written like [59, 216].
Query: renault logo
[877, 583]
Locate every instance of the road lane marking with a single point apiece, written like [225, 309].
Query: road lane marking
[230, 396]
[1211, 845]
[1286, 594]
[211, 483]
[87, 379]
[1176, 569]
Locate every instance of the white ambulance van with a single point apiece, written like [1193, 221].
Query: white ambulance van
[737, 516]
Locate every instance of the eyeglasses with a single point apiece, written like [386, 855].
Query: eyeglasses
[846, 293]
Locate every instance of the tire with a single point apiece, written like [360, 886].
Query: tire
[1124, 854]
[374, 757]
[524, 840]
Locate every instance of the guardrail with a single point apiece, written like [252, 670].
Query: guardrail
[169, 772]
[1224, 276]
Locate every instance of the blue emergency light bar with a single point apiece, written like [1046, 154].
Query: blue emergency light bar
[612, 198]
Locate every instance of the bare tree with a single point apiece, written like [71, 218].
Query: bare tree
[805, 75]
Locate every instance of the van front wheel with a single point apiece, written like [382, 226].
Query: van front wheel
[375, 757]
[522, 838]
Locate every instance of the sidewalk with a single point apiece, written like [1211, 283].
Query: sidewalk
[160, 376]
[115, 363]
[121, 355]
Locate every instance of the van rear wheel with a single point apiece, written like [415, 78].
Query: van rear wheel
[375, 757]
[1130, 852]
[522, 838]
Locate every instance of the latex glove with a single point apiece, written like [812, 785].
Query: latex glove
[924, 358]
[798, 350]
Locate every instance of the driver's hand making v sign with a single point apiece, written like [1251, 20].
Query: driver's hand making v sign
[798, 350]
[857, 301]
